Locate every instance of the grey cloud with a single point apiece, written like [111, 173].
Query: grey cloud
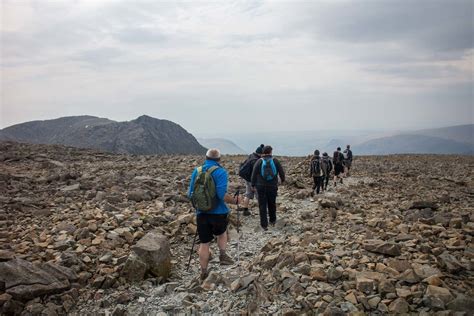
[435, 25]
[140, 35]
[410, 71]
[100, 56]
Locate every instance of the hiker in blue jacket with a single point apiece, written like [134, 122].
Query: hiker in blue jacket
[265, 179]
[213, 222]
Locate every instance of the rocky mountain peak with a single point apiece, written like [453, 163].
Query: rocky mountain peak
[144, 135]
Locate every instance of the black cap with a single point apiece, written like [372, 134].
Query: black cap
[259, 150]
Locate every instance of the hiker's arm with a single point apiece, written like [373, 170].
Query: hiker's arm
[191, 184]
[253, 180]
[220, 178]
[281, 172]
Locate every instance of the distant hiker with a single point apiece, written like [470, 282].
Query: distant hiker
[208, 193]
[326, 166]
[265, 179]
[338, 160]
[245, 172]
[315, 169]
[348, 159]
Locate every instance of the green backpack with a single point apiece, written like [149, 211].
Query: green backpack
[204, 197]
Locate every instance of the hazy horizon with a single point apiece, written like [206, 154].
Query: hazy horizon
[241, 65]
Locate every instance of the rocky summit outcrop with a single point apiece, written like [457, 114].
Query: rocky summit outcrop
[144, 135]
[87, 232]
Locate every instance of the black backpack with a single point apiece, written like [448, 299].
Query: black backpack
[337, 158]
[316, 167]
[246, 168]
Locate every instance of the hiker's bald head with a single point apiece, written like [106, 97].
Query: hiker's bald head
[213, 154]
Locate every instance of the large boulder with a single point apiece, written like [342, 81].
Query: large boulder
[154, 250]
[25, 281]
[379, 246]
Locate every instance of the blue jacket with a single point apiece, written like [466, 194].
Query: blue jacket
[220, 179]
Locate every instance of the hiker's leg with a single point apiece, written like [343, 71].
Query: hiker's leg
[271, 198]
[204, 256]
[318, 184]
[314, 183]
[262, 207]
[245, 203]
[204, 229]
[248, 195]
[222, 242]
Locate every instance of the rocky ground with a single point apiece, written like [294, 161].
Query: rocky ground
[81, 232]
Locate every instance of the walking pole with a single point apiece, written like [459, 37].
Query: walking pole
[237, 194]
[192, 249]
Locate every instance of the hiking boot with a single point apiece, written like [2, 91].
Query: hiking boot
[272, 224]
[225, 259]
[204, 275]
[247, 212]
[265, 228]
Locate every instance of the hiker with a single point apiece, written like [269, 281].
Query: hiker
[245, 172]
[265, 179]
[326, 166]
[212, 216]
[338, 160]
[348, 159]
[316, 172]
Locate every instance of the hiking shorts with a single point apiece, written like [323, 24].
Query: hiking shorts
[210, 225]
[338, 169]
[248, 190]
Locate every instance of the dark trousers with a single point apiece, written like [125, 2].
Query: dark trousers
[267, 199]
[326, 181]
[318, 181]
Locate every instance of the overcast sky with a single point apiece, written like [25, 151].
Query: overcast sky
[240, 65]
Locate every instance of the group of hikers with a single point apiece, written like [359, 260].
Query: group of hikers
[209, 195]
[320, 168]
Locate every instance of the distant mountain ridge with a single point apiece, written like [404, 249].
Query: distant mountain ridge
[445, 140]
[144, 135]
[227, 147]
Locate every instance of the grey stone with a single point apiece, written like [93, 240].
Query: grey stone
[25, 281]
[134, 269]
[154, 250]
[462, 303]
[379, 246]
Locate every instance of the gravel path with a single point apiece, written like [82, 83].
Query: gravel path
[184, 293]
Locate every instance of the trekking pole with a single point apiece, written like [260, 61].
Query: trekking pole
[192, 249]
[237, 194]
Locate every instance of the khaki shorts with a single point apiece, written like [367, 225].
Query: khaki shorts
[248, 191]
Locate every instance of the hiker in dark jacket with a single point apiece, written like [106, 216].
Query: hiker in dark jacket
[265, 179]
[249, 191]
[326, 166]
[348, 159]
[338, 160]
[315, 170]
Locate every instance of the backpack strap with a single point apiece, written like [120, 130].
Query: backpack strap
[212, 169]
